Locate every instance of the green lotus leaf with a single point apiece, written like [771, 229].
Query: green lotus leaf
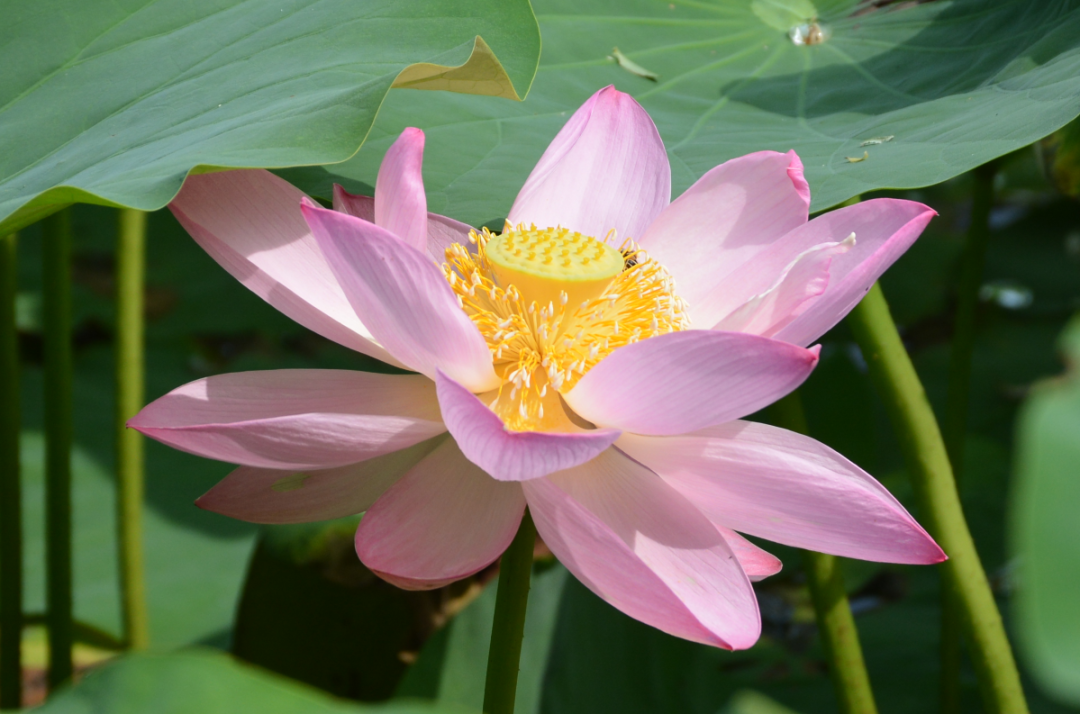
[206, 682]
[116, 103]
[1045, 530]
[924, 91]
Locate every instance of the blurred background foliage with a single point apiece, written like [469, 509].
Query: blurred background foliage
[295, 600]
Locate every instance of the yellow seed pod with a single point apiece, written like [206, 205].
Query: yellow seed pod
[542, 263]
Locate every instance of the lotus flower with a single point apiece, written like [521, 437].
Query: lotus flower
[592, 361]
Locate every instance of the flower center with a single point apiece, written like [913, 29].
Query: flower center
[551, 304]
[541, 264]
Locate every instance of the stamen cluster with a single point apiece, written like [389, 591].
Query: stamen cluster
[536, 346]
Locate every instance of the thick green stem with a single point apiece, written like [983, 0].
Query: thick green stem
[11, 575]
[130, 379]
[928, 462]
[956, 404]
[508, 628]
[56, 301]
[834, 619]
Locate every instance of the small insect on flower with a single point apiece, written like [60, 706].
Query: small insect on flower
[593, 361]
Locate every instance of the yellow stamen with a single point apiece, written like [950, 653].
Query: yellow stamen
[548, 322]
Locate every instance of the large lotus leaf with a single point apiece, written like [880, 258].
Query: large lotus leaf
[204, 682]
[114, 103]
[1046, 532]
[923, 91]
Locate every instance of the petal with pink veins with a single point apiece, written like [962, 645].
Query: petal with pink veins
[294, 418]
[354, 204]
[442, 521]
[274, 496]
[757, 563]
[400, 201]
[884, 229]
[786, 487]
[802, 281]
[404, 299]
[729, 215]
[638, 544]
[249, 221]
[606, 169]
[683, 381]
[513, 455]
[442, 231]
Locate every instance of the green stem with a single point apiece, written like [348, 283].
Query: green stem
[82, 633]
[11, 575]
[927, 461]
[956, 404]
[130, 380]
[56, 301]
[508, 628]
[834, 618]
[963, 340]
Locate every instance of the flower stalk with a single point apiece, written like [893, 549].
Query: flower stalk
[835, 621]
[130, 381]
[56, 304]
[956, 403]
[11, 575]
[928, 462]
[508, 627]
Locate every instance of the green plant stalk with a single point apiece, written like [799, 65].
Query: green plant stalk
[963, 339]
[56, 304]
[508, 627]
[928, 462]
[835, 621]
[956, 404]
[82, 633]
[130, 381]
[11, 575]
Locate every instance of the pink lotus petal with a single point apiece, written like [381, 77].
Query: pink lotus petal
[606, 169]
[757, 563]
[442, 232]
[884, 228]
[645, 549]
[294, 418]
[798, 178]
[684, 381]
[272, 496]
[443, 521]
[788, 488]
[801, 282]
[249, 221]
[404, 299]
[733, 212]
[354, 204]
[400, 201]
[512, 455]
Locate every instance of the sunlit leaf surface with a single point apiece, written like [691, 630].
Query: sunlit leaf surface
[116, 102]
[927, 91]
